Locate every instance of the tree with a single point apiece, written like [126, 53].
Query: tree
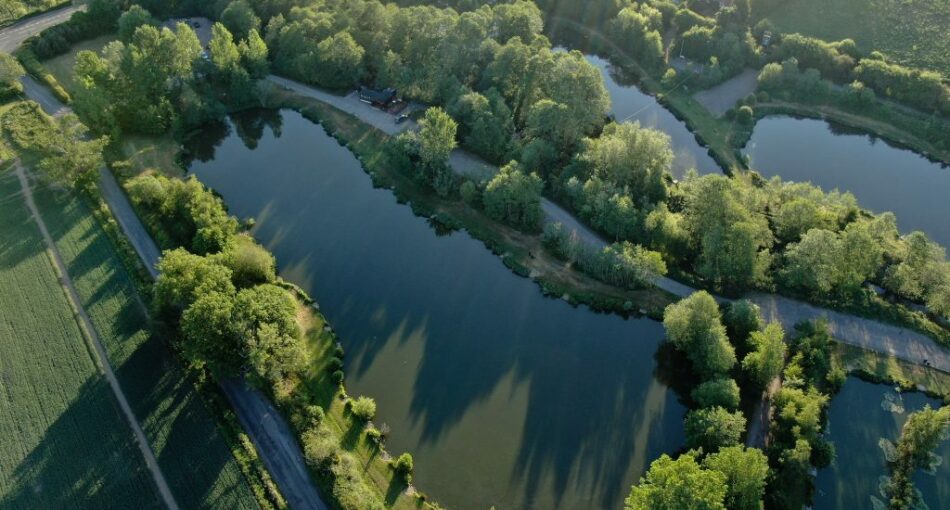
[273, 355]
[798, 216]
[184, 277]
[254, 53]
[485, 122]
[694, 326]
[264, 304]
[131, 20]
[240, 18]
[339, 62]
[10, 69]
[679, 484]
[514, 197]
[223, 51]
[250, 263]
[521, 18]
[717, 393]
[631, 157]
[713, 428]
[436, 142]
[363, 408]
[69, 159]
[919, 270]
[824, 261]
[742, 318]
[207, 335]
[745, 470]
[767, 359]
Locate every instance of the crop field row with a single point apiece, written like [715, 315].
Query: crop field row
[63, 441]
[193, 456]
[912, 32]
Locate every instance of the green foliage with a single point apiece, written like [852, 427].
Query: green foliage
[131, 20]
[717, 393]
[184, 277]
[693, 325]
[824, 262]
[254, 54]
[182, 213]
[249, 262]
[679, 484]
[767, 358]
[514, 197]
[922, 434]
[10, 69]
[99, 18]
[639, 34]
[922, 273]
[403, 467]
[746, 470]
[240, 18]
[622, 264]
[363, 408]
[485, 123]
[816, 54]
[713, 428]
[742, 318]
[630, 157]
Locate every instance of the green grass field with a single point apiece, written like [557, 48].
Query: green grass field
[63, 440]
[194, 457]
[61, 66]
[910, 32]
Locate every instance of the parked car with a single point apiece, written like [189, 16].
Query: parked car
[401, 118]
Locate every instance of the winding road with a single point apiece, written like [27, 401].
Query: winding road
[896, 341]
[13, 35]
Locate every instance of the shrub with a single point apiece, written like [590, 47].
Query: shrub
[470, 193]
[403, 466]
[374, 435]
[745, 115]
[338, 351]
[363, 408]
[335, 364]
[337, 377]
[713, 428]
[314, 414]
[717, 393]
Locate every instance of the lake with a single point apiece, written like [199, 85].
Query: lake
[630, 104]
[859, 417]
[503, 396]
[882, 177]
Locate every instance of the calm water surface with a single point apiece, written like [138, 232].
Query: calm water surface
[859, 417]
[504, 397]
[630, 104]
[881, 176]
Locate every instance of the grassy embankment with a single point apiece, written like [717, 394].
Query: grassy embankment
[875, 367]
[64, 438]
[910, 33]
[202, 462]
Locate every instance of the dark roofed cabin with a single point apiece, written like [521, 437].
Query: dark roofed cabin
[377, 97]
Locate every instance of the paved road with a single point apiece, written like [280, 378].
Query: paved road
[93, 335]
[875, 336]
[270, 433]
[124, 214]
[722, 97]
[42, 95]
[12, 36]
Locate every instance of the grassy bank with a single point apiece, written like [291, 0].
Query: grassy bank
[875, 367]
[64, 438]
[523, 253]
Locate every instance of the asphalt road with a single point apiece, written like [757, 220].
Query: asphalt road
[872, 335]
[12, 36]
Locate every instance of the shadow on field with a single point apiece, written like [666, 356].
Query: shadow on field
[20, 239]
[86, 455]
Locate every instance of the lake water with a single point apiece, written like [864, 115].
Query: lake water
[630, 104]
[503, 396]
[859, 417]
[881, 176]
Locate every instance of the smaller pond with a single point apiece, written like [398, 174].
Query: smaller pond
[630, 104]
[881, 176]
[860, 417]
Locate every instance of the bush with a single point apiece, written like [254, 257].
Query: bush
[713, 428]
[337, 377]
[374, 435]
[745, 115]
[717, 393]
[314, 415]
[335, 364]
[363, 408]
[470, 194]
[403, 467]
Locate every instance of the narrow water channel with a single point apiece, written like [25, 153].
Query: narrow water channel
[860, 417]
[504, 397]
[882, 177]
[628, 103]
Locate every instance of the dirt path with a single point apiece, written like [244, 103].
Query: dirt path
[757, 432]
[101, 358]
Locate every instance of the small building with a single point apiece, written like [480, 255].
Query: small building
[378, 97]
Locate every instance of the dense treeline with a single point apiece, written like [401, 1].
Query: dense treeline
[99, 18]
